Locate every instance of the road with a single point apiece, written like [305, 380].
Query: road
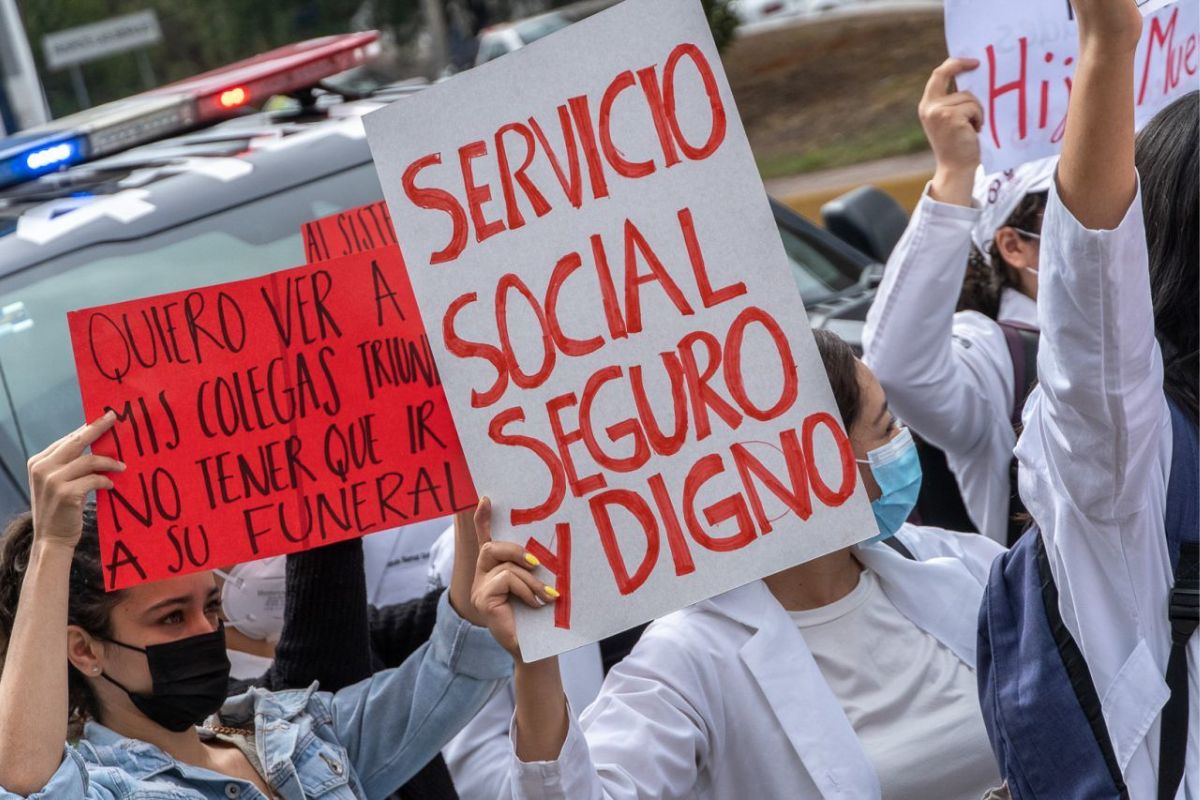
[903, 177]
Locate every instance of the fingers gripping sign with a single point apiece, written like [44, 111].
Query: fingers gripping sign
[504, 570]
[61, 477]
[952, 121]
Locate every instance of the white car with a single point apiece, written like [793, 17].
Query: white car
[500, 40]
[752, 11]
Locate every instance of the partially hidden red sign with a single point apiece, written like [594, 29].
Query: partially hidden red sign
[355, 230]
[266, 416]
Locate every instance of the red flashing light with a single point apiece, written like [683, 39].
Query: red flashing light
[233, 98]
[280, 71]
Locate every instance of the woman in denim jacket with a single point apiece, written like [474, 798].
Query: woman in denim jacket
[146, 670]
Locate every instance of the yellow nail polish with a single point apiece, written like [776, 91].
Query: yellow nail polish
[552, 592]
[531, 560]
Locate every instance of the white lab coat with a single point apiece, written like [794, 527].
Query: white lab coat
[723, 700]
[947, 375]
[396, 561]
[1095, 459]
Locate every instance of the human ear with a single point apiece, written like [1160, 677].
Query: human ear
[83, 651]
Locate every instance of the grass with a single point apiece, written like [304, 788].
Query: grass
[868, 146]
[835, 92]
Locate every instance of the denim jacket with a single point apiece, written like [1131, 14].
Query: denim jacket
[362, 742]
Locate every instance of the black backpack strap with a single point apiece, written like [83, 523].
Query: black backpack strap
[1022, 344]
[1076, 667]
[1184, 613]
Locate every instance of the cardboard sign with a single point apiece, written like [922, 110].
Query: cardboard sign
[355, 230]
[624, 348]
[1028, 51]
[266, 416]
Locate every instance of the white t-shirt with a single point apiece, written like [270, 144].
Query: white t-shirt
[913, 703]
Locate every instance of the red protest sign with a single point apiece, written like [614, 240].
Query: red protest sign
[355, 230]
[266, 416]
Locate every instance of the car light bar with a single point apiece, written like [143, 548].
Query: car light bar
[27, 156]
[159, 113]
[127, 123]
[221, 92]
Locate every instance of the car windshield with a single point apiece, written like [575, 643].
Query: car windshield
[533, 29]
[36, 363]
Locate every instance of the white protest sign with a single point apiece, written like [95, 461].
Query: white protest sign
[625, 352]
[1028, 51]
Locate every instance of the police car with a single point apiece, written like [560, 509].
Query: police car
[193, 184]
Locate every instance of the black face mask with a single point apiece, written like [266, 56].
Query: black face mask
[190, 680]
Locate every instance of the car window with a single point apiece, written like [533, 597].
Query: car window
[492, 48]
[532, 30]
[818, 274]
[36, 363]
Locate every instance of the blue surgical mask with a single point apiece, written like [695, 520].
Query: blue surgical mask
[897, 470]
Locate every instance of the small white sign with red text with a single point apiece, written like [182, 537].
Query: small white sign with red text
[1028, 51]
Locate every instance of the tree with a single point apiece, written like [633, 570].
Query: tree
[722, 20]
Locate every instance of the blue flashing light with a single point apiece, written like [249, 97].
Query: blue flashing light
[23, 158]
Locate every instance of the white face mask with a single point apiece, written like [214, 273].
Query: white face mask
[253, 597]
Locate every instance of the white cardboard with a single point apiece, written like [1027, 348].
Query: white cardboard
[740, 242]
[1166, 67]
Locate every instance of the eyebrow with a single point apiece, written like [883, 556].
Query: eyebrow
[181, 600]
[882, 412]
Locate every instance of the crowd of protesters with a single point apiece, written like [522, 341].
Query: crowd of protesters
[1038, 327]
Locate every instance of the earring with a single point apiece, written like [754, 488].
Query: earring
[95, 670]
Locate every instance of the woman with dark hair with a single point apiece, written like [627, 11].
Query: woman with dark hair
[849, 676]
[1168, 160]
[146, 668]
[1108, 459]
[950, 330]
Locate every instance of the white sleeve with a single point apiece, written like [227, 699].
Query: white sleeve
[478, 757]
[643, 737]
[1093, 429]
[908, 340]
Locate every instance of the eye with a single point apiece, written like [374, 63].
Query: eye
[174, 618]
[213, 608]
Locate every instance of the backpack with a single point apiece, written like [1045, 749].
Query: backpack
[940, 502]
[1039, 702]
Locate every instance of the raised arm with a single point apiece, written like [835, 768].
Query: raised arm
[1096, 176]
[33, 685]
[1092, 428]
[395, 722]
[907, 341]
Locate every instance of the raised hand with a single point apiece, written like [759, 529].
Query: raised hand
[503, 570]
[60, 478]
[1108, 25]
[952, 121]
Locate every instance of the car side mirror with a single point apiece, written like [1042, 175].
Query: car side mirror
[868, 219]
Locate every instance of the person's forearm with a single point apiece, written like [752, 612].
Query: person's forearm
[1096, 176]
[541, 715]
[33, 685]
[325, 635]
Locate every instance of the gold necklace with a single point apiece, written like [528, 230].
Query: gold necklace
[224, 730]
